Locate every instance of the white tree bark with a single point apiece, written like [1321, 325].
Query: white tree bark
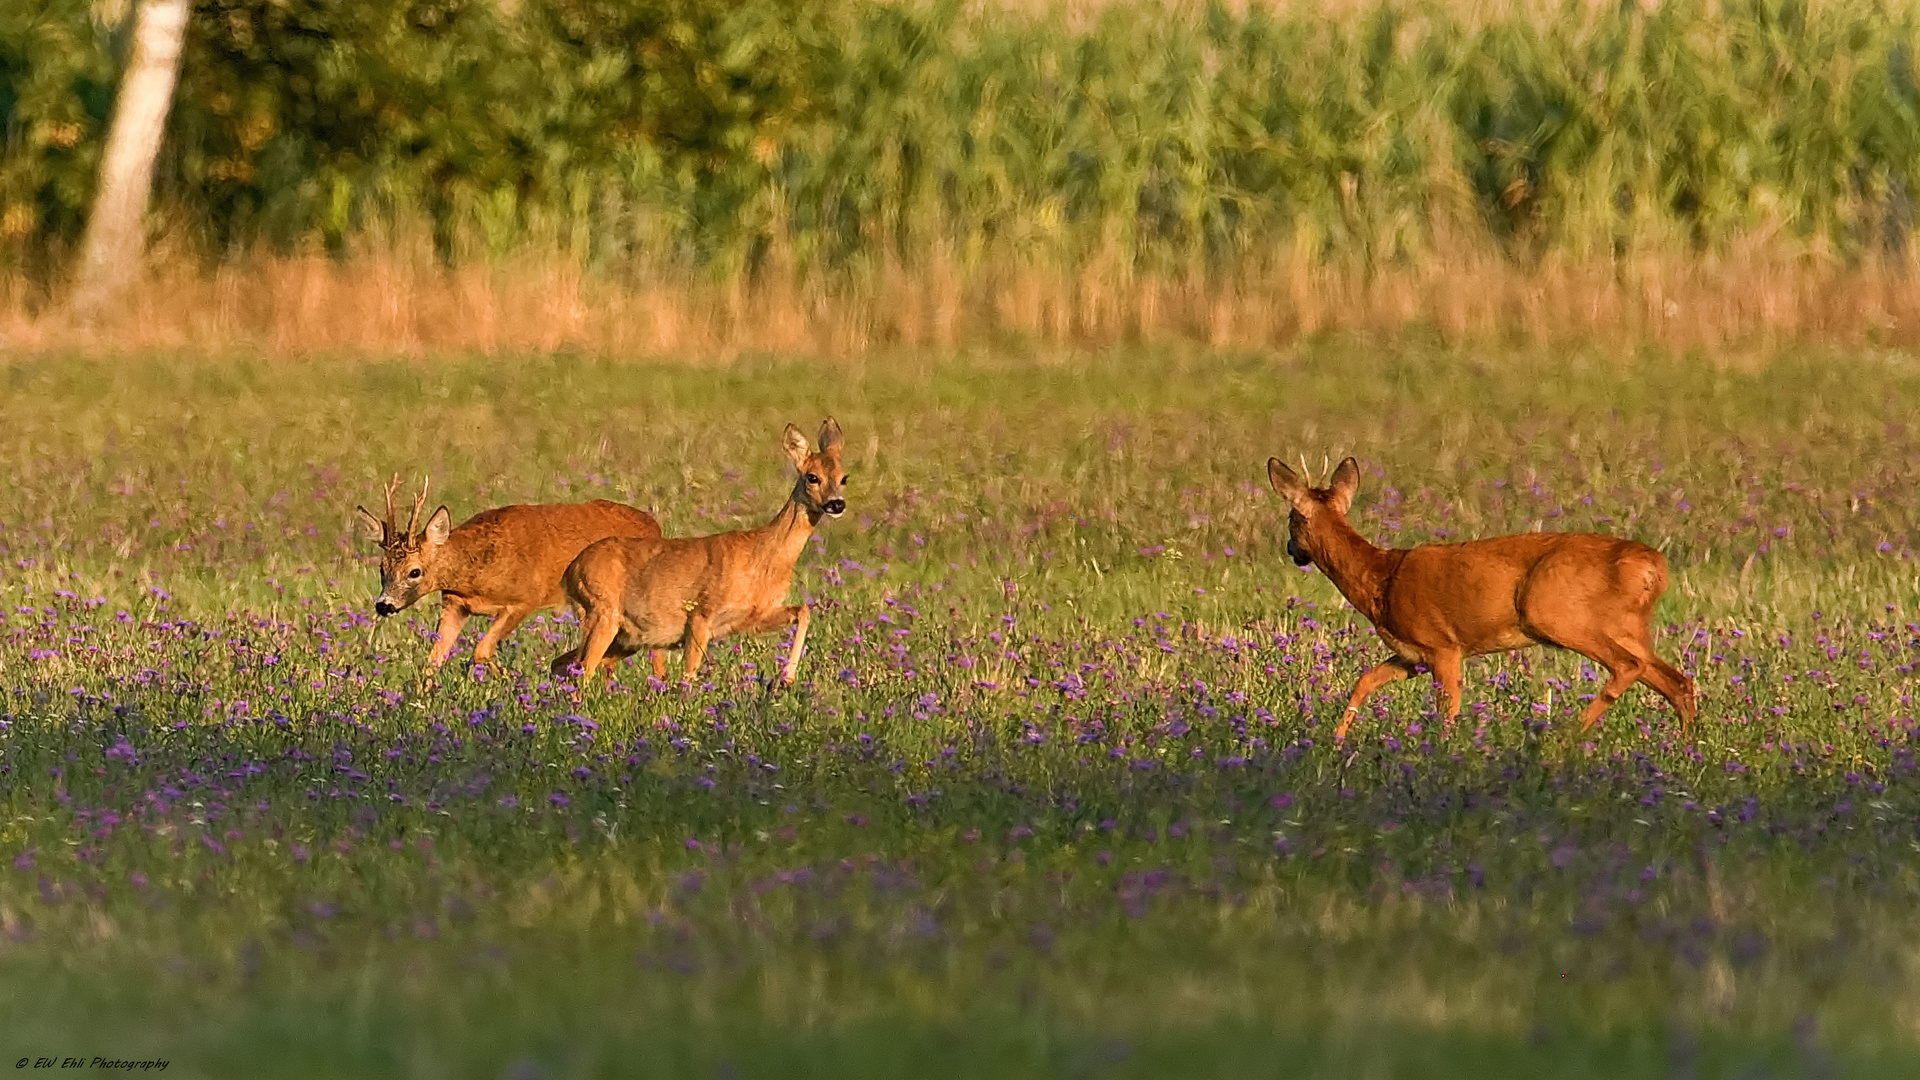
[115, 241]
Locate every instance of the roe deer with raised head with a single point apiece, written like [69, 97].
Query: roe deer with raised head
[505, 562]
[1437, 604]
[638, 594]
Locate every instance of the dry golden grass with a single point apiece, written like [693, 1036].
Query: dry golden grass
[398, 298]
[1472, 12]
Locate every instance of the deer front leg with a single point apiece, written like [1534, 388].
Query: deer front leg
[453, 616]
[801, 615]
[1377, 676]
[699, 632]
[1446, 675]
[504, 623]
[659, 664]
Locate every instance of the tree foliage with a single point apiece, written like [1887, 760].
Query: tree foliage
[847, 131]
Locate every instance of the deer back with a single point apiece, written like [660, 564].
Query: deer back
[1485, 595]
[1478, 596]
[725, 574]
[516, 554]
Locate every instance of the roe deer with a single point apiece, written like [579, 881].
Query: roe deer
[656, 593]
[1437, 604]
[505, 562]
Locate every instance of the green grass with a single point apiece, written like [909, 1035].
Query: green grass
[1053, 796]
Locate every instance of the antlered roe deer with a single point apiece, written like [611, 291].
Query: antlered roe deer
[1437, 604]
[656, 593]
[505, 562]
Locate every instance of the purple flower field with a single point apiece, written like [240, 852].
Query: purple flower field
[1055, 793]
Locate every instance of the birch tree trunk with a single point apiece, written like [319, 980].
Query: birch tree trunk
[115, 240]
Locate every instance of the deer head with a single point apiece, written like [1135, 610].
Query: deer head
[406, 556]
[818, 489]
[1315, 510]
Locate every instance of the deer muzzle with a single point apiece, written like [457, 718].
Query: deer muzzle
[384, 606]
[834, 507]
[1299, 556]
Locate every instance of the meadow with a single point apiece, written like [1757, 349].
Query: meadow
[1054, 794]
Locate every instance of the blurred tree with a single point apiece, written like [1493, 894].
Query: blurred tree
[115, 238]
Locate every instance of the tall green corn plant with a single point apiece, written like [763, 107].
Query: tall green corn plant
[686, 102]
[1678, 129]
[1148, 140]
[1335, 142]
[847, 135]
[883, 167]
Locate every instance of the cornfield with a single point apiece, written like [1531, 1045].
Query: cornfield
[666, 173]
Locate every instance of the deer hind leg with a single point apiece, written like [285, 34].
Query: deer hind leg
[564, 662]
[453, 616]
[1673, 685]
[504, 623]
[1624, 668]
[1667, 681]
[625, 644]
[600, 635]
[1620, 641]
[699, 632]
[1377, 676]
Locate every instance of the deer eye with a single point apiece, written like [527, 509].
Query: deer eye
[415, 572]
[813, 478]
[845, 480]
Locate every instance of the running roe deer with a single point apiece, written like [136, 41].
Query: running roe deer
[1437, 604]
[505, 562]
[659, 593]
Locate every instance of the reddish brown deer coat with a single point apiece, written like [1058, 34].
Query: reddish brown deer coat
[636, 594]
[505, 562]
[1439, 603]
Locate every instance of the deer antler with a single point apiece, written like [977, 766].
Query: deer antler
[419, 503]
[393, 486]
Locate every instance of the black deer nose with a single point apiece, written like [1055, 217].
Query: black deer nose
[836, 507]
[384, 606]
[1300, 557]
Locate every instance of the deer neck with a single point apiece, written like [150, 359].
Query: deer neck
[1358, 569]
[783, 539]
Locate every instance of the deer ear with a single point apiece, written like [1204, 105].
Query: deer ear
[829, 434]
[794, 442]
[438, 526]
[1346, 481]
[1290, 487]
[370, 526]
